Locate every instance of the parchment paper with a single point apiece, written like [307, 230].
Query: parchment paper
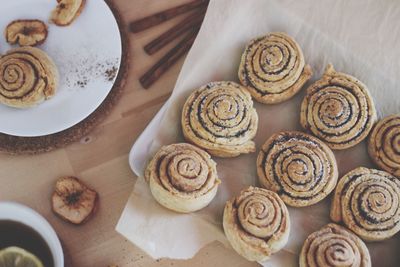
[359, 37]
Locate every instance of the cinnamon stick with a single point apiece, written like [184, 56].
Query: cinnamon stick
[155, 72]
[155, 19]
[192, 21]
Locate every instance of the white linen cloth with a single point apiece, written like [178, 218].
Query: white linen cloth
[359, 37]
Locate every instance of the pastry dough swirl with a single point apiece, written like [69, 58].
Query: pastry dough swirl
[273, 68]
[182, 177]
[367, 202]
[384, 144]
[298, 166]
[220, 118]
[338, 109]
[256, 223]
[334, 245]
[28, 76]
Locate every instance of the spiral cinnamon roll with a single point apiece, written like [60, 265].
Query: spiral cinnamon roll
[334, 245]
[298, 166]
[182, 177]
[367, 202]
[28, 76]
[220, 118]
[273, 68]
[256, 223]
[384, 144]
[338, 109]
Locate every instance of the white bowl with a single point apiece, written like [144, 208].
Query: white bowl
[25, 215]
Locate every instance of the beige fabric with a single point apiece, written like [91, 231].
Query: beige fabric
[220, 118]
[28, 76]
[182, 177]
[298, 166]
[367, 201]
[273, 68]
[338, 109]
[256, 223]
[384, 144]
[334, 245]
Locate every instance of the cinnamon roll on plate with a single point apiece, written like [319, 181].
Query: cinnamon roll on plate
[28, 76]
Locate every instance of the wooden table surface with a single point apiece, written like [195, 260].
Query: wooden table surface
[103, 164]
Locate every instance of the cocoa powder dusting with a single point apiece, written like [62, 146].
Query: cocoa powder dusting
[111, 73]
[80, 72]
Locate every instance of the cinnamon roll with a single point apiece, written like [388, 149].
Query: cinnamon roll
[298, 166]
[256, 223]
[384, 144]
[367, 202]
[334, 245]
[338, 109]
[182, 177]
[273, 68]
[220, 118]
[28, 76]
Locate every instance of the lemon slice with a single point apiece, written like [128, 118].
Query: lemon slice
[18, 257]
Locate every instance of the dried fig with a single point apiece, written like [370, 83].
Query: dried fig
[73, 201]
[26, 32]
[67, 11]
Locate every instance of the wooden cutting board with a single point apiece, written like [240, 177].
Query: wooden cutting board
[101, 160]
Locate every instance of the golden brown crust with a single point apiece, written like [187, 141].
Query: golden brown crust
[256, 223]
[273, 69]
[298, 166]
[73, 201]
[26, 32]
[182, 177]
[28, 76]
[334, 245]
[367, 201]
[338, 109]
[67, 11]
[220, 118]
[384, 144]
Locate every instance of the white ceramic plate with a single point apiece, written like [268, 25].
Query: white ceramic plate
[86, 52]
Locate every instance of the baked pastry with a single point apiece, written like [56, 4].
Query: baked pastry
[384, 144]
[256, 223]
[334, 245]
[28, 76]
[297, 166]
[26, 32]
[273, 68]
[67, 11]
[367, 202]
[220, 118]
[182, 177]
[73, 201]
[338, 109]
